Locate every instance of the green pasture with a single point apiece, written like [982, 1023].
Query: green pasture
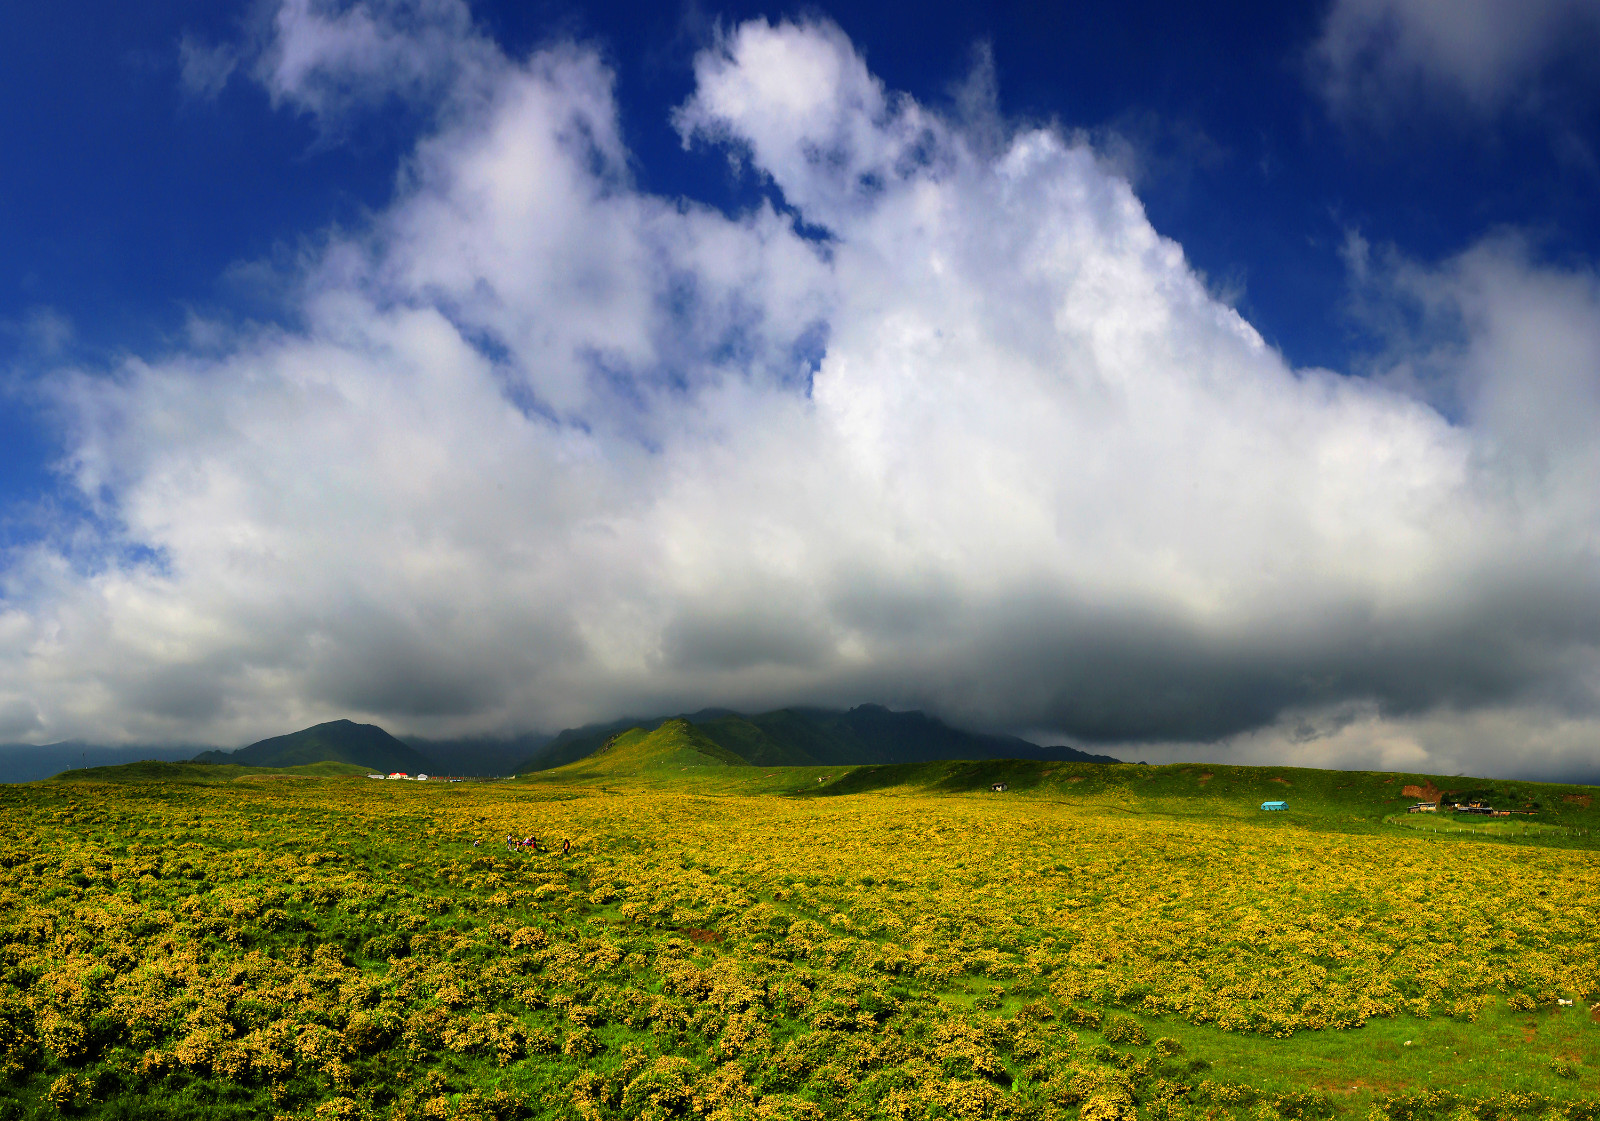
[372, 949]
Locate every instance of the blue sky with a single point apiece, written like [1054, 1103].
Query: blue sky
[1372, 363]
[129, 199]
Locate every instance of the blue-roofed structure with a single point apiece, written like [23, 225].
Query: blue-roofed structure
[1274, 805]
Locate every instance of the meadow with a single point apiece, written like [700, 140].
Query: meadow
[725, 942]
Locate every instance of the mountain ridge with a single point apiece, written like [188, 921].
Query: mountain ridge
[797, 736]
[812, 737]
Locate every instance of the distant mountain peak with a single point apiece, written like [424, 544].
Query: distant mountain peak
[337, 741]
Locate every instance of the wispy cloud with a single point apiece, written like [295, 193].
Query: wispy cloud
[204, 68]
[1377, 58]
[329, 59]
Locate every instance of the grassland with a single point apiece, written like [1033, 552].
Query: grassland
[722, 941]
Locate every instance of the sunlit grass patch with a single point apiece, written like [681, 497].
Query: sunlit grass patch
[1480, 826]
[1500, 1051]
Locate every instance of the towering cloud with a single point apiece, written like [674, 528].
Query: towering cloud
[953, 426]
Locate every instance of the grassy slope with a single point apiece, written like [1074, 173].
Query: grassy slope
[1344, 801]
[676, 746]
[1337, 799]
[209, 774]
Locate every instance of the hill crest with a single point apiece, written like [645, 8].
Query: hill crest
[674, 744]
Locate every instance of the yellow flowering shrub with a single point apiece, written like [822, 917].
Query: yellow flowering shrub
[344, 949]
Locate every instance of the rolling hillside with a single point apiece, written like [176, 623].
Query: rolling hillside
[204, 774]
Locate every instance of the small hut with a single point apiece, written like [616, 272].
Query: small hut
[1274, 805]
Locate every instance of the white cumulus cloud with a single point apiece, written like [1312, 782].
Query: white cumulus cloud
[971, 436]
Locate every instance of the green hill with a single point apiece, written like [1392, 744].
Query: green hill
[155, 770]
[808, 737]
[674, 746]
[339, 741]
[576, 743]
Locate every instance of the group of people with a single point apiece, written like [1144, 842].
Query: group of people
[531, 844]
[528, 844]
